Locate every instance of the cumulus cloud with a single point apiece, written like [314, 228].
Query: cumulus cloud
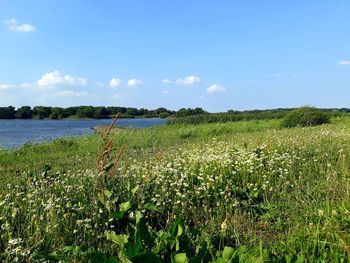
[6, 87]
[115, 83]
[344, 62]
[166, 81]
[134, 83]
[215, 88]
[14, 25]
[53, 79]
[188, 81]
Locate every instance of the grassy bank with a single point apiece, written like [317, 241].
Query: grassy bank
[226, 192]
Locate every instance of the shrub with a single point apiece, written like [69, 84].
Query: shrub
[305, 116]
[164, 115]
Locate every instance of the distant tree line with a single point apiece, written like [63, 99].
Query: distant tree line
[196, 115]
[83, 112]
[235, 115]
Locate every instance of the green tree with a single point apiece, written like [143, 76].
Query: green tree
[7, 112]
[101, 112]
[42, 112]
[24, 112]
[86, 112]
[57, 113]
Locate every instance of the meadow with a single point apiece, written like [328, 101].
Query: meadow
[245, 191]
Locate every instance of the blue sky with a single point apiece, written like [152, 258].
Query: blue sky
[218, 55]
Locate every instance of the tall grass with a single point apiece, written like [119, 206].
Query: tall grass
[229, 192]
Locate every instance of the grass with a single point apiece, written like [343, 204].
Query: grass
[229, 192]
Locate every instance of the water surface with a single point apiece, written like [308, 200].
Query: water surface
[14, 133]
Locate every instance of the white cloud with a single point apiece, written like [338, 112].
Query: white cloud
[6, 87]
[25, 85]
[188, 81]
[166, 81]
[134, 83]
[69, 93]
[344, 62]
[165, 91]
[277, 75]
[11, 21]
[115, 83]
[54, 79]
[295, 76]
[14, 25]
[215, 88]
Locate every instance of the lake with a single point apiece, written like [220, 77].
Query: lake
[14, 133]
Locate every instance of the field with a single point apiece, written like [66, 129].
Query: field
[245, 191]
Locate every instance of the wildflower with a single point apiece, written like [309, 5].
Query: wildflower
[15, 241]
[320, 212]
[224, 225]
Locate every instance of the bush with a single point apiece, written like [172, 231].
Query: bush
[164, 115]
[305, 116]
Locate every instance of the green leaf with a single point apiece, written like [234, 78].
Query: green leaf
[125, 206]
[181, 258]
[179, 230]
[118, 215]
[134, 249]
[134, 190]
[108, 194]
[147, 257]
[120, 239]
[227, 253]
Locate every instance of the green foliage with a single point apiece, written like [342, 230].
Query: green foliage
[224, 117]
[305, 116]
[24, 112]
[255, 193]
[7, 112]
[164, 115]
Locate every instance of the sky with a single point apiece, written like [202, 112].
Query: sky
[217, 55]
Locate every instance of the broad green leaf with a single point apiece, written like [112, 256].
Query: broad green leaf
[125, 206]
[181, 258]
[118, 215]
[227, 253]
[108, 194]
[120, 239]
